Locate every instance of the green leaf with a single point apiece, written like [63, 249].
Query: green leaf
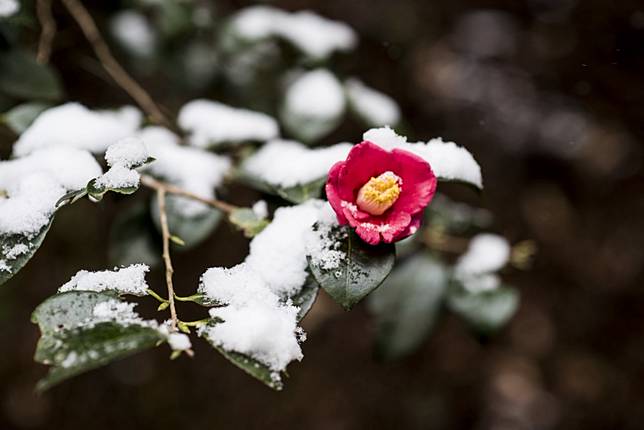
[72, 346]
[22, 116]
[17, 249]
[24, 78]
[303, 192]
[96, 192]
[487, 311]
[194, 229]
[361, 271]
[247, 221]
[249, 365]
[305, 298]
[407, 305]
[308, 129]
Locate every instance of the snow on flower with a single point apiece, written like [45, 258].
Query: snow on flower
[380, 193]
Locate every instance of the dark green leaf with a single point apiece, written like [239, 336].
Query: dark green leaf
[23, 77]
[306, 297]
[485, 311]
[72, 346]
[361, 271]
[22, 116]
[247, 221]
[251, 366]
[96, 192]
[407, 305]
[302, 193]
[17, 249]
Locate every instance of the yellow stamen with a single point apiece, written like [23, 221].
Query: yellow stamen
[379, 194]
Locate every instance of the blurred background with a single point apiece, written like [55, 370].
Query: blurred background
[549, 97]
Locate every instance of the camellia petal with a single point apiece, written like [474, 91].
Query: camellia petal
[380, 193]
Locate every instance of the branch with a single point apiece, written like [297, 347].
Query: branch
[165, 233]
[111, 65]
[48, 30]
[150, 182]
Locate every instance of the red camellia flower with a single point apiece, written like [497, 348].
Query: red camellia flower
[382, 194]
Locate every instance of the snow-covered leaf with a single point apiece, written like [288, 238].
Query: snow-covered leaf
[249, 365]
[485, 311]
[17, 249]
[247, 221]
[371, 106]
[313, 105]
[448, 161]
[407, 304]
[361, 269]
[22, 116]
[23, 77]
[300, 173]
[83, 330]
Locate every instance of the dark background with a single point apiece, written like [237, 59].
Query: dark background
[549, 96]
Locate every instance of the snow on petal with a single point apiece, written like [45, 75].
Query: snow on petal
[287, 163]
[212, 123]
[73, 125]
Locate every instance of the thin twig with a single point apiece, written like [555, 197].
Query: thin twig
[165, 233]
[157, 185]
[111, 65]
[47, 32]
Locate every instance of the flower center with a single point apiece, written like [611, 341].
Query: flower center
[379, 194]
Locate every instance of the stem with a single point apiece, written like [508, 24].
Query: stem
[165, 233]
[48, 30]
[156, 296]
[150, 182]
[111, 65]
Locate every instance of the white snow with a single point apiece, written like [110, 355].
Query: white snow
[193, 169]
[122, 157]
[376, 108]
[120, 312]
[132, 30]
[4, 267]
[314, 35]
[317, 95]
[260, 209]
[447, 160]
[265, 333]
[179, 342]
[73, 125]
[126, 280]
[33, 185]
[322, 245]
[259, 320]
[211, 123]
[129, 152]
[487, 253]
[287, 163]
[11, 253]
[9, 8]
